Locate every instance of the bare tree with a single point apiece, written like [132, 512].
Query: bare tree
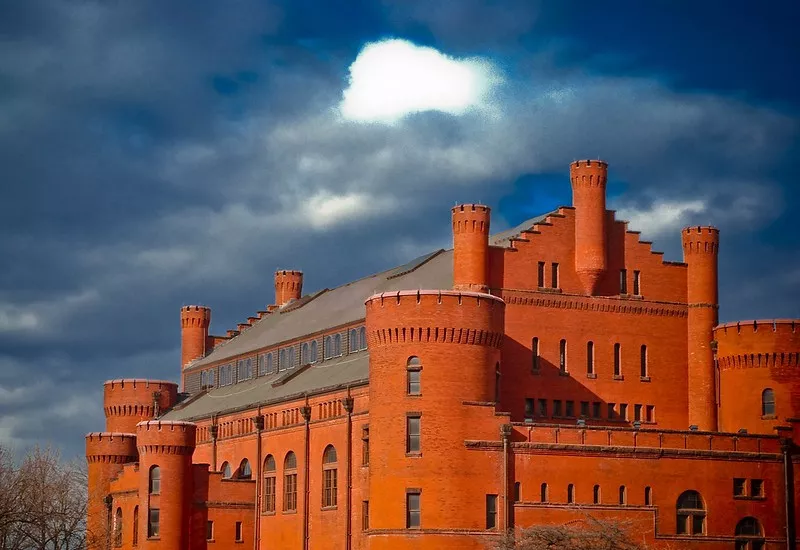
[42, 502]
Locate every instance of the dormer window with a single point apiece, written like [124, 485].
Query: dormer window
[265, 365]
[333, 346]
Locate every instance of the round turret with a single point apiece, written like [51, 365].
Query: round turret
[700, 252]
[106, 453]
[471, 247]
[759, 374]
[588, 178]
[128, 401]
[195, 321]
[288, 286]
[434, 359]
[168, 447]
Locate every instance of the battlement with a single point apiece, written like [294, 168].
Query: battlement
[588, 173]
[435, 316]
[126, 401]
[471, 218]
[166, 436]
[195, 316]
[110, 447]
[758, 343]
[700, 240]
[288, 285]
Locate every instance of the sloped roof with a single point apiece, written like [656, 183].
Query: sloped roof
[314, 313]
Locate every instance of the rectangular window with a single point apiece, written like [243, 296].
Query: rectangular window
[529, 404]
[269, 494]
[290, 493]
[541, 275]
[637, 412]
[517, 492]
[611, 413]
[643, 361]
[557, 407]
[596, 409]
[623, 281]
[562, 356]
[413, 511]
[585, 409]
[637, 291]
[543, 407]
[617, 360]
[554, 275]
[413, 434]
[590, 358]
[623, 411]
[570, 412]
[239, 531]
[756, 488]
[329, 490]
[535, 352]
[209, 530]
[364, 515]
[739, 487]
[365, 446]
[152, 523]
[650, 413]
[491, 511]
[414, 387]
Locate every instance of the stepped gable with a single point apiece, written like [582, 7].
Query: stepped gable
[504, 238]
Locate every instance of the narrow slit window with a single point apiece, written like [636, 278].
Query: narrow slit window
[596, 494]
[617, 360]
[554, 276]
[535, 353]
[590, 358]
[623, 281]
[570, 494]
[529, 406]
[413, 434]
[637, 283]
[413, 510]
[543, 493]
[562, 356]
[648, 496]
[643, 361]
[491, 511]
[541, 275]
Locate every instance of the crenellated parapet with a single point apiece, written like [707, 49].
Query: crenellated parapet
[128, 401]
[288, 286]
[166, 437]
[110, 448]
[195, 321]
[471, 247]
[588, 178]
[759, 364]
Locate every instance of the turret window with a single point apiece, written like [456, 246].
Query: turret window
[290, 483]
[691, 514]
[414, 376]
[135, 528]
[413, 510]
[269, 484]
[623, 495]
[118, 527]
[329, 477]
[570, 494]
[491, 511]
[543, 496]
[749, 535]
[153, 519]
[413, 434]
[768, 402]
[155, 480]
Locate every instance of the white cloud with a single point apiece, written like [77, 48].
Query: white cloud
[662, 217]
[14, 319]
[393, 78]
[325, 209]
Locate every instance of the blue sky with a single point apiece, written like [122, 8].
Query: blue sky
[159, 154]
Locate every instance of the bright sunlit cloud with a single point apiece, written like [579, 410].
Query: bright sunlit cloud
[662, 217]
[393, 78]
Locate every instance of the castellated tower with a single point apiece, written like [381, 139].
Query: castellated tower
[167, 447]
[700, 252]
[288, 286]
[471, 247]
[195, 321]
[106, 453]
[588, 179]
[128, 401]
[434, 355]
[759, 374]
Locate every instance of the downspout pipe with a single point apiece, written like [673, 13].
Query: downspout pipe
[788, 488]
[348, 406]
[259, 423]
[214, 431]
[505, 433]
[306, 412]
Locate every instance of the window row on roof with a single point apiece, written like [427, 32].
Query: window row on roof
[283, 359]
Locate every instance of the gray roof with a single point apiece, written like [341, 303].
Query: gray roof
[314, 313]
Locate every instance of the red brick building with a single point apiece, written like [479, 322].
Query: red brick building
[558, 369]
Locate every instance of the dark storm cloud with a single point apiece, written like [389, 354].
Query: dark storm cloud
[157, 154]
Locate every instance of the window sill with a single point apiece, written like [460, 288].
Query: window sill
[644, 378]
[413, 395]
[769, 417]
[591, 375]
[619, 377]
[210, 540]
[415, 454]
[289, 512]
[268, 513]
[328, 508]
[747, 497]
[153, 538]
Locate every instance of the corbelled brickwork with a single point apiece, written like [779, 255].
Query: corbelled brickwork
[569, 371]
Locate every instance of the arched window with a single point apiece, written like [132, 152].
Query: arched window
[414, 376]
[623, 495]
[327, 347]
[329, 477]
[749, 535]
[118, 527]
[291, 358]
[337, 345]
[135, 525]
[155, 480]
[305, 354]
[648, 496]
[314, 354]
[543, 493]
[570, 494]
[245, 472]
[617, 360]
[768, 402]
[226, 470]
[269, 484]
[691, 514]
[596, 494]
[362, 337]
[290, 482]
[590, 358]
[353, 340]
[562, 356]
[643, 362]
